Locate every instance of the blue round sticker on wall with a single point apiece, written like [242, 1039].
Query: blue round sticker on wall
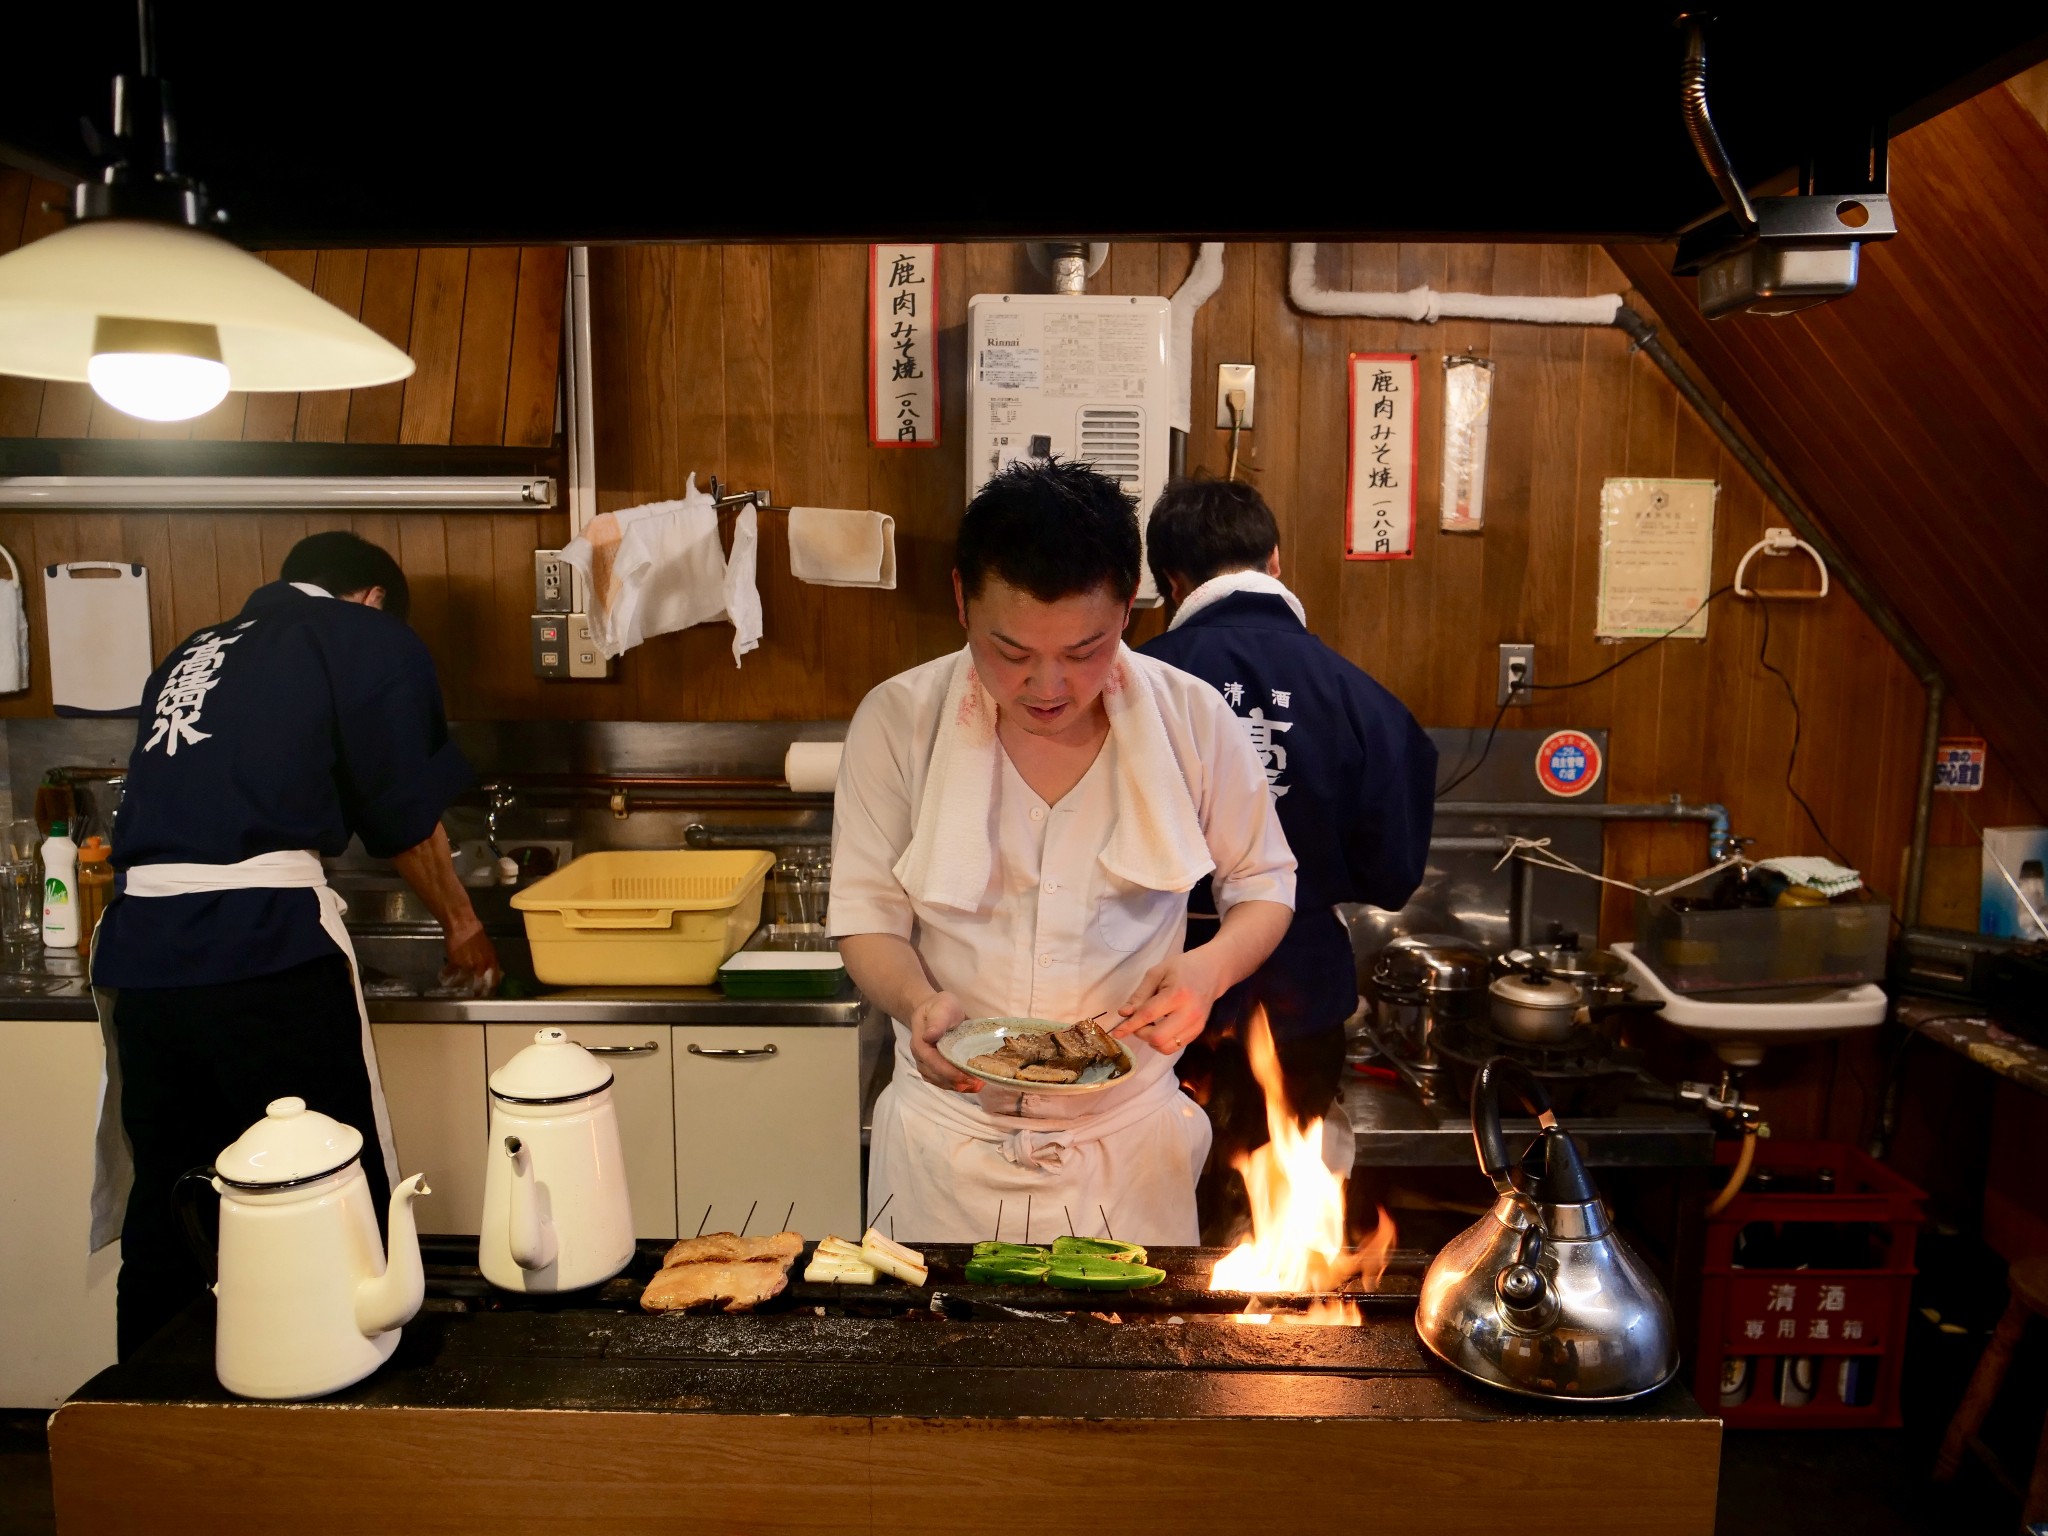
[1568, 763]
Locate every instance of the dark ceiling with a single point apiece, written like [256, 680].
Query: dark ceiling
[376, 123]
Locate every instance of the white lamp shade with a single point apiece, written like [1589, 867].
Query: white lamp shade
[274, 335]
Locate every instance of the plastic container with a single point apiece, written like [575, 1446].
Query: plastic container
[1754, 948]
[95, 884]
[1804, 1296]
[60, 889]
[782, 973]
[643, 919]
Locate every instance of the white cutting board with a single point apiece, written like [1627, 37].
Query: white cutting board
[98, 615]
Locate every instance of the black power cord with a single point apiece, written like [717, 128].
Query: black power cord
[1462, 773]
[1641, 650]
[1792, 757]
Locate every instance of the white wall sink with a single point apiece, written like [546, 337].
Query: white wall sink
[1739, 1031]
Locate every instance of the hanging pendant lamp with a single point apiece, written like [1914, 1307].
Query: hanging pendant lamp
[160, 316]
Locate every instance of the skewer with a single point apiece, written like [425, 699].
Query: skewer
[702, 1220]
[999, 1221]
[1027, 1221]
[1105, 1225]
[892, 1229]
[877, 1217]
[788, 1215]
[1070, 1220]
[750, 1218]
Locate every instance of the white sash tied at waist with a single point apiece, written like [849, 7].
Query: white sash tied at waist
[290, 869]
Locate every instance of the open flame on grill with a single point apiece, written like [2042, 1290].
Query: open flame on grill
[1297, 1245]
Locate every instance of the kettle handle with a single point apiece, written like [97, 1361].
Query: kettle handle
[1491, 1145]
[203, 1248]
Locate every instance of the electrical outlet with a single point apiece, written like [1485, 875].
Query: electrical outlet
[553, 585]
[1234, 376]
[550, 645]
[1517, 672]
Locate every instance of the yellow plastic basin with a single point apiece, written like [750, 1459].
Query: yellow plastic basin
[643, 919]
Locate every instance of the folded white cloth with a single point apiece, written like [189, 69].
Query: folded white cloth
[651, 569]
[1823, 875]
[13, 631]
[1216, 588]
[742, 595]
[1157, 841]
[832, 547]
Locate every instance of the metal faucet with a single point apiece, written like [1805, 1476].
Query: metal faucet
[502, 799]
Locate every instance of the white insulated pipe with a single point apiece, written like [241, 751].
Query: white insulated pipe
[1203, 279]
[1426, 306]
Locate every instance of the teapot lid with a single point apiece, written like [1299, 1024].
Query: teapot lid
[291, 1144]
[552, 1070]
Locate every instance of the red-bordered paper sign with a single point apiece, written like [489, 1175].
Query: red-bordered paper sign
[1379, 482]
[1959, 765]
[903, 355]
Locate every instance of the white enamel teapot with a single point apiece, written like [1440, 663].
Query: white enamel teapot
[309, 1301]
[557, 1216]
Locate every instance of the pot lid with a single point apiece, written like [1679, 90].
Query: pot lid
[550, 1070]
[289, 1145]
[1533, 989]
[1443, 962]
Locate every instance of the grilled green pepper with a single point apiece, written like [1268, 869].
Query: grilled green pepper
[1006, 1269]
[1097, 1248]
[1087, 1272]
[1031, 1251]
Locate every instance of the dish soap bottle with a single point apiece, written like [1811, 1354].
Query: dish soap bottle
[60, 888]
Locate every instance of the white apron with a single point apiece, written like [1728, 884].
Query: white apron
[949, 1168]
[287, 870]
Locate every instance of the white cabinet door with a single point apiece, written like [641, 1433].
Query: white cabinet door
[643, 1097]
[766, 1118]
[56, 1300]
[434, 1084]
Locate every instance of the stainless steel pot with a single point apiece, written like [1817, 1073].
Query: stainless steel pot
[1535, 1006]
[1419, 982]
[1599, 973]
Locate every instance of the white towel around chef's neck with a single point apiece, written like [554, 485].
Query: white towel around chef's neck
[1156, 843]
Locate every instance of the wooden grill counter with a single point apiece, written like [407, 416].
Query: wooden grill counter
[879, 1415]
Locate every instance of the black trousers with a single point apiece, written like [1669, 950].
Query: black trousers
[198, 1065]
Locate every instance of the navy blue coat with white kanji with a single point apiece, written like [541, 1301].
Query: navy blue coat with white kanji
[1354, 781]
[298, 723]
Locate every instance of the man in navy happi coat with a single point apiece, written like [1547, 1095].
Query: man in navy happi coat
[1352, 775]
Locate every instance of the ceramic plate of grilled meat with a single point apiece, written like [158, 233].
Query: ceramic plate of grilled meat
[1037, 1055]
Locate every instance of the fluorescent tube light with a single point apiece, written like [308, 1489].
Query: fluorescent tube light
[341, 493]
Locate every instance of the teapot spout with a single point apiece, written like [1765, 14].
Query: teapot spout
[528, 1233]
[389, 1300]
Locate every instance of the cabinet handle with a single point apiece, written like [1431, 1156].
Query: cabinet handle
[622, 1050]
[732, 1050]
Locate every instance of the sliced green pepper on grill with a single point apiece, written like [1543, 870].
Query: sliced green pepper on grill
[1031, 1251]
[1090, 1272]
[1006, 1269]
[1097, 1248]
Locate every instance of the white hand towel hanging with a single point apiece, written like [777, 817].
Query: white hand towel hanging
[834, 547]
[14, 654]
[742, 594]
[668, 571]
[1157, 841]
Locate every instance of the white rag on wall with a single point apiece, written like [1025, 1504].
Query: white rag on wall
[653, 569]
[1157, 841]
[14, 651]
[834, 547]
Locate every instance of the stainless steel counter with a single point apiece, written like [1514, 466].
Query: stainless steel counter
[1396, 1130]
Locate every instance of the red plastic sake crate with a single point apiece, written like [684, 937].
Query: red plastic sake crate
[1830, 1315]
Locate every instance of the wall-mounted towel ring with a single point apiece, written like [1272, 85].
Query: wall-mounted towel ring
[1781, 541]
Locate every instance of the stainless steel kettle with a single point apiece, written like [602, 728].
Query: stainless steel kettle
[1541, 1296]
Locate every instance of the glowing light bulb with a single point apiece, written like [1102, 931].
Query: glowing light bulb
[155, 369]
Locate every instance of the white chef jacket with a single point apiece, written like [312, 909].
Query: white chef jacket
[1056, 936]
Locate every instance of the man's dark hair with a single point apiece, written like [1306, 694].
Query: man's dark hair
[1051, 529]
[1201, 528]
[345, 564]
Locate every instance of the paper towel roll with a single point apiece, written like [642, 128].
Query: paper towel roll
[812, 767]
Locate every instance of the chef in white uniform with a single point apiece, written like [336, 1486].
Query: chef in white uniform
[1015, 831]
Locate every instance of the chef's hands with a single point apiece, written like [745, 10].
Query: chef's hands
[472, 959]
[928, 1021]
[1171, 1006]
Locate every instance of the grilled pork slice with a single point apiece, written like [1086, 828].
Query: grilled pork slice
[724, 1248]
[1087, 1042]
[999, 1066]
[737, 1287]
[1037, 1073]
[1034, 1047]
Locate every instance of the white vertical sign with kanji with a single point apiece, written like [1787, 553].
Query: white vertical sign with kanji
[1380, 481]
[903, 357]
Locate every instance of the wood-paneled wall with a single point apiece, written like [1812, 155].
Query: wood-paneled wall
[484, 327]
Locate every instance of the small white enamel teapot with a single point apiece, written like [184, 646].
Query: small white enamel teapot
[309, 1300]
[557, 1216]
